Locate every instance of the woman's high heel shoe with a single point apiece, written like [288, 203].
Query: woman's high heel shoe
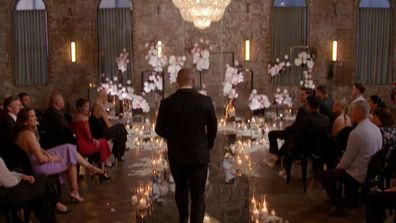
[74, 196]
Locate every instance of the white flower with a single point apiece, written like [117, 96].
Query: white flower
[286, 57]
[297, 62]
[227, 88]
[310, 64]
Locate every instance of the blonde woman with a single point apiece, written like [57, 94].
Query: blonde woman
[101, 127]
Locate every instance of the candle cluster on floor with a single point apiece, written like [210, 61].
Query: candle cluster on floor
[260, 213]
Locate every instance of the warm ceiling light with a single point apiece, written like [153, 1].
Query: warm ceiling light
[201, 12]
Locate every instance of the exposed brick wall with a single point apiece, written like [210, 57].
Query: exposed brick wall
[159, 20]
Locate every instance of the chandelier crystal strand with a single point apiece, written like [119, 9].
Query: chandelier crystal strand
[201, 12]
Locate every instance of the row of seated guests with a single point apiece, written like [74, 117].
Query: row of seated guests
[19, 133]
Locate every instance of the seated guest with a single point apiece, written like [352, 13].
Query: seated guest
[341, 120]
[22, 191]
[25, 99]
[274, 135]
[336, 144]
[101, 127]
[26, 102]
[312, 131]
[326, 103]
[61, 159]
[55, 128]
[8, 152]
[382, 118]
[357, 92]
[363, 142]
[375, 102]
[87, 145]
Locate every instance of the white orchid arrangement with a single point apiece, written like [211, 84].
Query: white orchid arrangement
[158, 62]
[153, 83]
[124, 93]
[122, 61]
[138, 102]
[175, 65]
[233, 77]
[278, 67]
[283, 98]
[258, 101]
[305, 60]
[201, 54]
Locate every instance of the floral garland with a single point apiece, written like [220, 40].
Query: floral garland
[175, 65]
[233, 77]
[258, 101]
[201, 54]
[122, 61]
[154, 60]
[154, 83]
[278, 67]
[283, 98]
[305, 60]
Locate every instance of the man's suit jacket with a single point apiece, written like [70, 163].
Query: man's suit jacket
[55, 129]
[8, 151]
[312, 132]
[187, 120]
[301, 113]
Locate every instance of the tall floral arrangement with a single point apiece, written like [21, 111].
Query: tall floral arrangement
[175, 65]
[279, 66]
[153, 83]
[233, 77]
[201, 54]
[158, 62]
[306, 60]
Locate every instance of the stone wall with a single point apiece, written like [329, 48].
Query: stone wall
[153, 20]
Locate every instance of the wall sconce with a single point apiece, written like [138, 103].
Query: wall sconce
[247, 50]
[159, 48]
[334, 51]
[73, 51]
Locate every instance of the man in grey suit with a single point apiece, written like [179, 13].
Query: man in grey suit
[187, 120]
[363, 142]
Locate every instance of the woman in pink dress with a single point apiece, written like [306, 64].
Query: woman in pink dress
[58, 160]
[87, 145]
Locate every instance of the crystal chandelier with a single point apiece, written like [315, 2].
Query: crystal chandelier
[201, 12]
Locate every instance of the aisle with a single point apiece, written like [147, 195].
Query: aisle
[227, 203]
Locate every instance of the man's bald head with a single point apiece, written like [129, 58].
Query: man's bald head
[185, 77]
[56, 101]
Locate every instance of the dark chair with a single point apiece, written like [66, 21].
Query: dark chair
[307, 151]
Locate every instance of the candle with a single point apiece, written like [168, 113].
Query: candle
[142, 203]
[134, 200]
[256, 214]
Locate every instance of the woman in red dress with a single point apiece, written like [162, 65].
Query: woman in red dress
[86, 144]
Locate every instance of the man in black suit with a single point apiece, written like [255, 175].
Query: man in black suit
[12, 105]
[274, 135]
[55, 128]
[187, 120]
[312, 131]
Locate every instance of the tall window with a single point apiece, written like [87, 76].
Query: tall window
[31, 43]
[374, 42]
[115, 35]
[289, 29]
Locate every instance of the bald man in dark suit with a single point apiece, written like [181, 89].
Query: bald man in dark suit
[187, 120]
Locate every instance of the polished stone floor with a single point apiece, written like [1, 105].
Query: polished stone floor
[226, 203]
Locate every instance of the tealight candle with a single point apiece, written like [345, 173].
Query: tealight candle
[134, 200]
[256, 214]
[142, 203]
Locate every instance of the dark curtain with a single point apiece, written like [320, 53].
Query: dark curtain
[31, 47]
[114, 34]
